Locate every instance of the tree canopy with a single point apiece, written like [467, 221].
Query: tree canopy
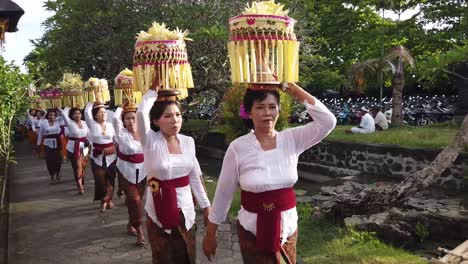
[96, 37]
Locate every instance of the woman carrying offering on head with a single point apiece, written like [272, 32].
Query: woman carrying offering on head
[263, 164]
[49, 133]
[130, 167]
[77, 145]
[173, 175]
[103, 155]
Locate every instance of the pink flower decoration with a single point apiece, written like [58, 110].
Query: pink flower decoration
[250, 21]
[242, 113]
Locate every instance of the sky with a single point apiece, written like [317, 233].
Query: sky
[17, 44]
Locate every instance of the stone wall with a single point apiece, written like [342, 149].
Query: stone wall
[335, 158]
[384, 160]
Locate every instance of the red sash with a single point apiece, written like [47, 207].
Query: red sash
[76, 146]
[98, 148]
[268, 207]
[62, 130]
[165, 200]
[133, 158]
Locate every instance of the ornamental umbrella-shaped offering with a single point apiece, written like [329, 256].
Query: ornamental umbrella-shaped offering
[124, 88]
[51, 97]
[72, 88]
[97, 90]
[263, 48]
[161, 56]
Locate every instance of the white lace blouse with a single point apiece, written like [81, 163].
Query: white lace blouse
[128, 146]
[46, 129]
[247, 165]
[36, 123]
[161, 164]
[98, 136]
[74, 131]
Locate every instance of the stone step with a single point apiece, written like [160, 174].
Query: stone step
[314, 177]
[330, 171]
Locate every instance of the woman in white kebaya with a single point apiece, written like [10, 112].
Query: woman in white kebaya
[130, 168]
[36, 122]
[173, 174]
[103, 155]
[77, 145]
[263, 164]
[49, 133]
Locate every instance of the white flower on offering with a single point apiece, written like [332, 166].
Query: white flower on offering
[126, 72]
[161, 32]
[103, 84]
[265, 8]
[142, 36]
[92, 82]
[71, 81]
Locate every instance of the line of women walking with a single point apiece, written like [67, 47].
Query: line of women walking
[144, 149]
[263, 164]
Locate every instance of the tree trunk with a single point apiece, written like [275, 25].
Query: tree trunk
[368, 199]
[398, 82]
[462, 86]
[423, 178]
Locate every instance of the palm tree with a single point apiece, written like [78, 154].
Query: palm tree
[392, 63]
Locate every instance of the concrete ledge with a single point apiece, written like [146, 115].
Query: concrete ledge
[339, 158]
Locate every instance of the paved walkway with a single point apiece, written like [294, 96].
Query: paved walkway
[53, 224]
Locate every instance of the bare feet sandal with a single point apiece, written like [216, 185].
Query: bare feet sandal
[103, 206]
[110, 205]
[131, 230]
[140, 239]
[140, 243]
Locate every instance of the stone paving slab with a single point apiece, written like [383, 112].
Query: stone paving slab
[51, 224]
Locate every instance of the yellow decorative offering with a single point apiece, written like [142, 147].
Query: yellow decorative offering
[97, 90]
[262, 45]
[124, 87]
[72, 86]
[161, 56]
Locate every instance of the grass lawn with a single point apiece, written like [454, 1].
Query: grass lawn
[210, 184]
[322, 242]
[325, 243]
[434, 136]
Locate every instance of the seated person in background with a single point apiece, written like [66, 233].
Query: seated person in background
[367, 124]
[380, 120]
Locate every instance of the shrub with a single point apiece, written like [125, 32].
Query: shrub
[233, 126]
[422, 231]
[13, 91]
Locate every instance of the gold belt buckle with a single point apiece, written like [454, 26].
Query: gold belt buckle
[268, 206]
[154, 185]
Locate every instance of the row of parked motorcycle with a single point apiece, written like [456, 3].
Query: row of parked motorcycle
[417, 110]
